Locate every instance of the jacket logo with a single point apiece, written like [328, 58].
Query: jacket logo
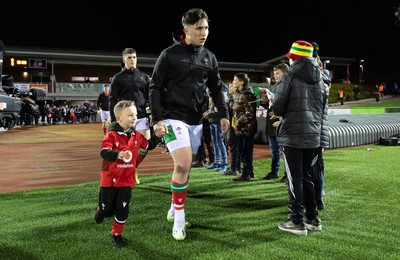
[205, 61]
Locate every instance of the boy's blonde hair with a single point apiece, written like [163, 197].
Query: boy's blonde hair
[121, 105]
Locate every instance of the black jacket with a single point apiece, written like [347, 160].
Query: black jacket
[130, 85]
[178, 87]
[299, 100]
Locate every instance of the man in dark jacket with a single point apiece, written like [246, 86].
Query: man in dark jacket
[299, 100]
[132, 84]
[177, 95]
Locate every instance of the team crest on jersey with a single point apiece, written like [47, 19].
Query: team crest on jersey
[205, 61]
[178, 129]
[116, 144]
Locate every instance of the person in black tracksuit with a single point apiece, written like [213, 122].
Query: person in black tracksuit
[299, 100]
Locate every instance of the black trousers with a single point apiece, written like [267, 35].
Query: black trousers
[201, 155]
[300, 175]
[246, 147]
[318, 175]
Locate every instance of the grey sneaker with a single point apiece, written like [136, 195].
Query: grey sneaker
[229, 172]
[299, 229]
[314, 224]
[271, 175]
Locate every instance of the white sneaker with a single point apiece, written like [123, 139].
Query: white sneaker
[178, 231]
[171, 218]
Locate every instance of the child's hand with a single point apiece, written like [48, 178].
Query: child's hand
[122, 155]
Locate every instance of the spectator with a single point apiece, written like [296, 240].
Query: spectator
[395, 89]
[233, 144]
[220, 153]
[270, 128]
[204, 157]
[245, 123]
[356, 92]
[381, 89]
[299, 101]
[318, 169]
[341, 96]
[376, 93]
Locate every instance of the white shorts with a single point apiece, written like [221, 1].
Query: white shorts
[142, 124]
[185, 135]
[105, 115]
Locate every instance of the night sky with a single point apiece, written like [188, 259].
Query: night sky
[244, 32]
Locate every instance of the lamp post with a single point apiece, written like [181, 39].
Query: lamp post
[325, 62]
[360, 72]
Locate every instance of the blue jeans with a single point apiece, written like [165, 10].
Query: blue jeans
[275, 154]
[220, 153]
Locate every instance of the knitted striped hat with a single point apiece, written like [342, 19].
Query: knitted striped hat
[300, 49]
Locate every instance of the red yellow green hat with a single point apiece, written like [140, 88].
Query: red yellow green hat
[300, 49]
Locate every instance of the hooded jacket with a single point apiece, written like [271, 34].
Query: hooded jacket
[180, 77]
[299, 100]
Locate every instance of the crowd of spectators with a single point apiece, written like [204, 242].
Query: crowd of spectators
[60, 112]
